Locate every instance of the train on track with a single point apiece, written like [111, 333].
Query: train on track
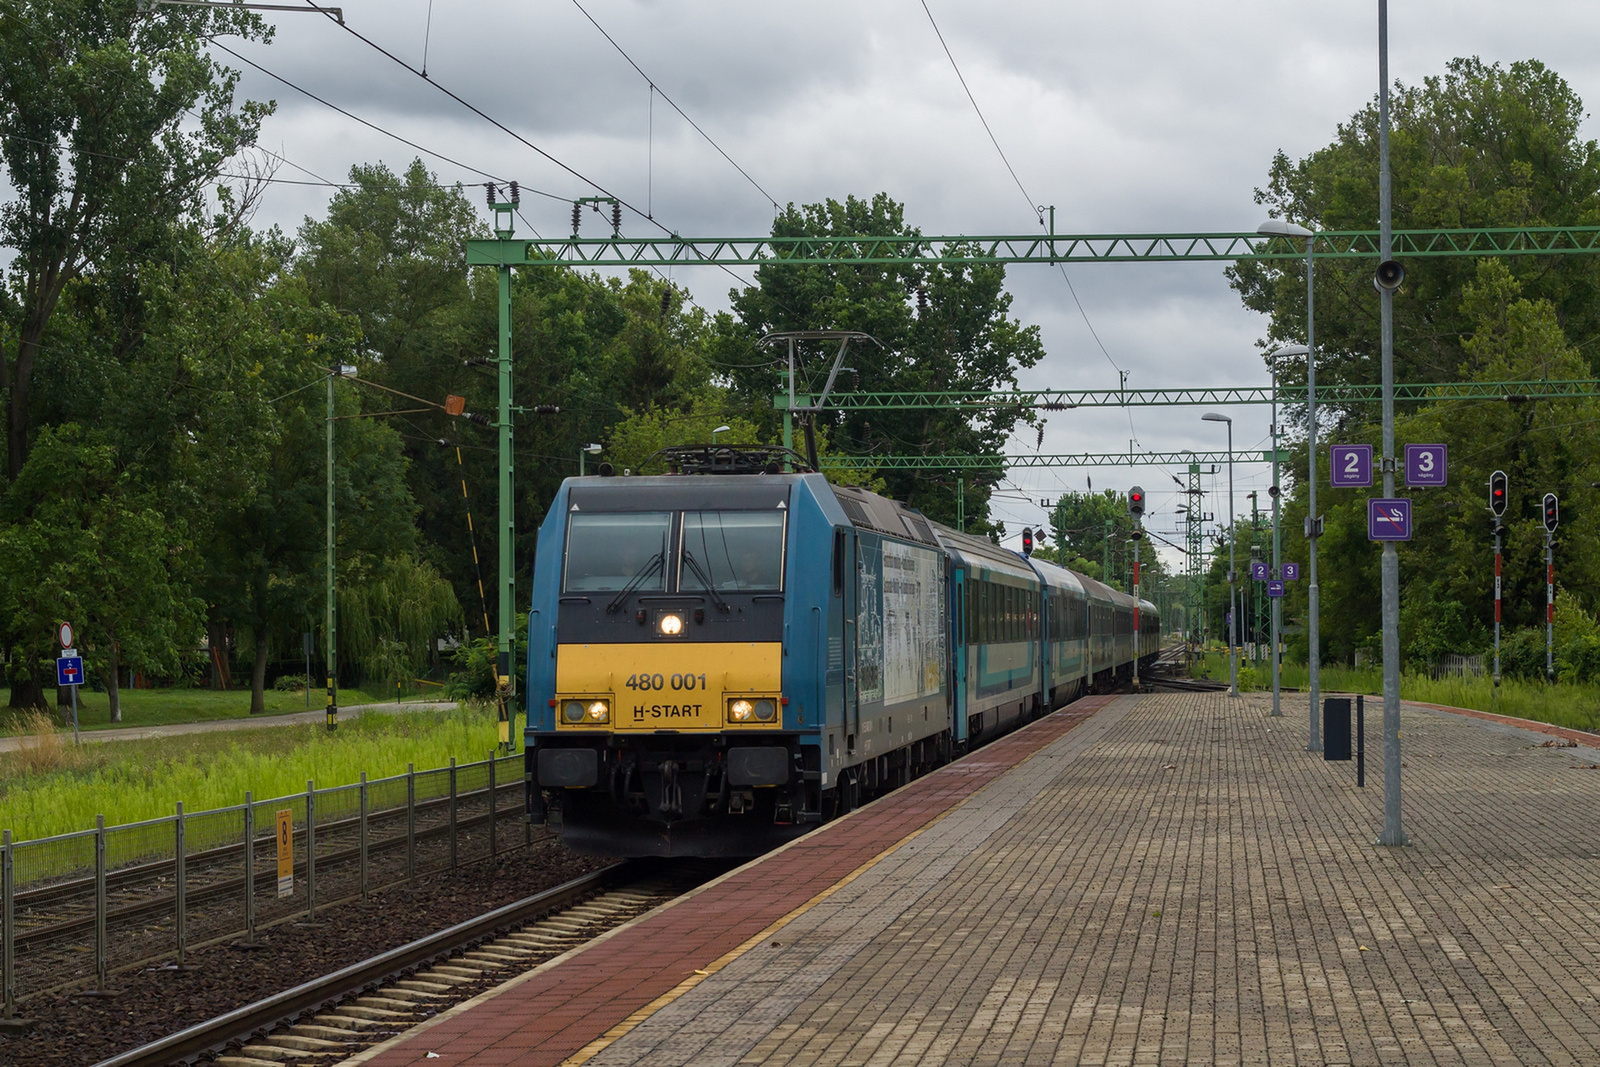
[722, 658]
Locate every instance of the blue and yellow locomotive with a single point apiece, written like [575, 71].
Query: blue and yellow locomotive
[718, 662]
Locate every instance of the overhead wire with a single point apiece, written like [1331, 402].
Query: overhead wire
[377, 128]
[1033, 205]
[657, 90]
[621, 201]
[476, 110]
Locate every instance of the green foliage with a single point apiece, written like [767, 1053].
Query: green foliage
[1481, 145]
[394, 617]
[478, 660]
[83, 541]
[635, 440]
[95, 100]
[1078, 526]
[944, 327]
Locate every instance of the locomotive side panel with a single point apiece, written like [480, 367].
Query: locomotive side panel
[901, 656]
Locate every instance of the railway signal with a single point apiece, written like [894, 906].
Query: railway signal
[1497, 493]
[1497, 506]
[1136, 510]
[1552, 512]
[1027, 541]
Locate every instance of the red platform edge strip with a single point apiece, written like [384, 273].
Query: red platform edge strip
[1582, 737]
[554, 1014]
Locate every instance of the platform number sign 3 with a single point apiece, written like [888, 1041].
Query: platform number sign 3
[1425, 466]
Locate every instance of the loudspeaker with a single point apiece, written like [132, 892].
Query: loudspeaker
[1388, 276]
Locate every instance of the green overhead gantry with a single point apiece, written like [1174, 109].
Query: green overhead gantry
[1035, 459]
[1066, 399]
[505, 251]
[1043, 247]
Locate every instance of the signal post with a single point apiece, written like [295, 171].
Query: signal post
[1497, 507]
[1552, 519]
[1136, 510]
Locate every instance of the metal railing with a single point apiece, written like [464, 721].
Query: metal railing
[77, 908]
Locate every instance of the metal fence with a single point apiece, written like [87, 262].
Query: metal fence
[79, 907]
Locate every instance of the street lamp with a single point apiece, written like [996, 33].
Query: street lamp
[585, 452]
[1233, 608]
[719, 429]
[1314, 742]
[1282, 228]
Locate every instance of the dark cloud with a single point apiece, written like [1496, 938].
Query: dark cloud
[1139, 116]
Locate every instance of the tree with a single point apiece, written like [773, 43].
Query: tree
[92, 546]
[941, 327]
[106, 172]
[1447, 569]
[92, 100]
[1482, 145]
[390, 254]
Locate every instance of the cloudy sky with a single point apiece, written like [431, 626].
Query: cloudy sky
[1142, 116]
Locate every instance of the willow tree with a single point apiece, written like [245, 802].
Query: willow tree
[392, 618]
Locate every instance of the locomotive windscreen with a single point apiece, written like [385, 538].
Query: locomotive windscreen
[607, 551]
[736, 551]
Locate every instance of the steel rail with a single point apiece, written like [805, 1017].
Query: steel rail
[216, 1034]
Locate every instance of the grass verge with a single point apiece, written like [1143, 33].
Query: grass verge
[1572, 705]
[53, 787]
[162, 707]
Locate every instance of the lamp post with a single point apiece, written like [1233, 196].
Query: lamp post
[1387, 279]
[1233, 607]
[719, 429]
[585, 452]
[1280, 228]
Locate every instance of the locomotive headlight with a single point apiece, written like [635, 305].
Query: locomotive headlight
[741, 710]
[572, 711]
[599, 711]
[669, 625]
[766, 710]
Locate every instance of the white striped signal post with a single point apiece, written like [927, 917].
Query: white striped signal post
[1552, 519]
[1497, 507]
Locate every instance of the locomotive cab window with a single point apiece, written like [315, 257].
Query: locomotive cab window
[607, 551]
[733, 551]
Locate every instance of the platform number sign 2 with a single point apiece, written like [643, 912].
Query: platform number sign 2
[1351, 466]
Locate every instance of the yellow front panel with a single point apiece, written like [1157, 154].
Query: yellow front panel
[668, 685]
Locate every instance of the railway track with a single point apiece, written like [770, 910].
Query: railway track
[331, 1018]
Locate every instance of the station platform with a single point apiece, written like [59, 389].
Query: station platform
[1168, 878]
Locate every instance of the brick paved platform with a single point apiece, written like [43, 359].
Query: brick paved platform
[1171, 879]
